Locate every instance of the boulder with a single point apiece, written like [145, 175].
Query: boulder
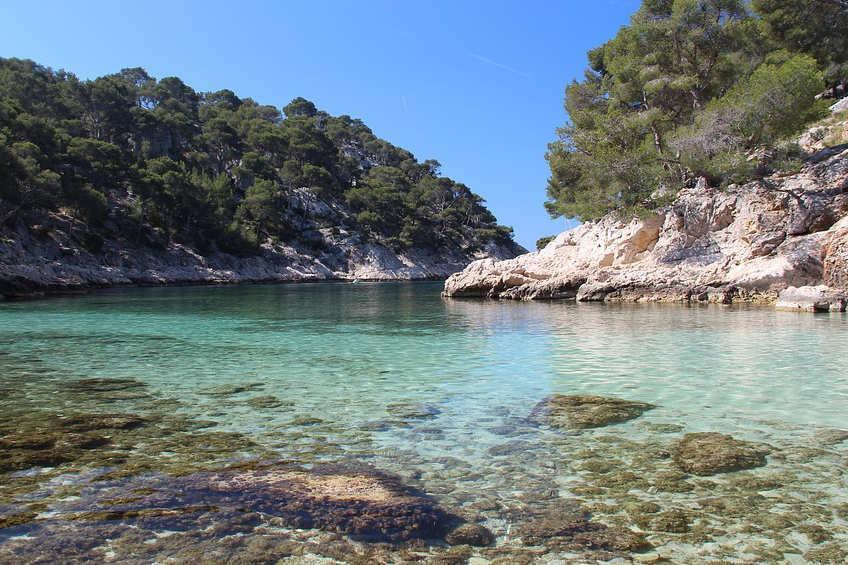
[819, 298]
[710, 453]
[585, 411]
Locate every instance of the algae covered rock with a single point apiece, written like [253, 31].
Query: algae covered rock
[470, 534]
[412, 410]
[356, 500]
[572, 529]
[585, 411]
[674, 521]
[710, 453]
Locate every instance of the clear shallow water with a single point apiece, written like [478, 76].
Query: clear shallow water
[345, 354]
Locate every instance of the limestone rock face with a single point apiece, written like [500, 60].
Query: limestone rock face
[710, 453]
[581, 412]
[58, 254]
[820, 298]
[743, 243]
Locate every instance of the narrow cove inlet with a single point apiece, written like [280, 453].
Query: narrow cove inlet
[379, 422]
[579, 297]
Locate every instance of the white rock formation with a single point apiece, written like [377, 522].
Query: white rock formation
[819, 298]
[745, 243]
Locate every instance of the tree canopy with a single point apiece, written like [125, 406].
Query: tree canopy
[210, 168]
[689, 89]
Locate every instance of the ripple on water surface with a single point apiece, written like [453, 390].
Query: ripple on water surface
[438, 394]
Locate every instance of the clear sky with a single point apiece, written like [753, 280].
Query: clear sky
[476, 85]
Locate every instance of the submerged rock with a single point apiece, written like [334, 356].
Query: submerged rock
[104, 385]
[231, 389]
[674, 521]
[412, 410]
[268, 401]
[356, 500]
[580, 412]
[572, 529]
[471, 534]
[710, 453]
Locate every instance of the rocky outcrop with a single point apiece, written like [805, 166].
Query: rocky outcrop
[60, 253]
[743, 243]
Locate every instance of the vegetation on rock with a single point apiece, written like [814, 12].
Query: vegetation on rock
[692, 89]
[154, 162]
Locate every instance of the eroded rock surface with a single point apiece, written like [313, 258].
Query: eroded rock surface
[710, 453]
[585, 411]
[744, 243]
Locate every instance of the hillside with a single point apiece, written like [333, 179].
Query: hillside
[131, 180]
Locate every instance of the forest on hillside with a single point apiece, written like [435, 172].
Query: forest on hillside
[156, 161]
[694, 89]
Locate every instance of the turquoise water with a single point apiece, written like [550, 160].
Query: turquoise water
[343, 355]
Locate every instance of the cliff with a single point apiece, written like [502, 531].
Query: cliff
[744, 243]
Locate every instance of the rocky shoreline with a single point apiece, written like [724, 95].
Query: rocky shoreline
[782, 239]
[57, 253]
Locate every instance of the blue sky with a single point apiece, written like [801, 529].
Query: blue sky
[476, 85]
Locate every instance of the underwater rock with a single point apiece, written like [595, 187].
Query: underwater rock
[46, 447]
[674, 521]
[831, 437]
[710, 453]
[573, 530]
[268, 401]
[470, 534]
[104, 385]
[585, 411]
[231, 389]
[828, 553]
[92, 422]
[306, 421]
[412, 410]
[356, 500]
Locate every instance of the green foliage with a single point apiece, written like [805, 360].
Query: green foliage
[774, 102]
[690, 88]
[212, 169]
[813, 27]
[542, 242]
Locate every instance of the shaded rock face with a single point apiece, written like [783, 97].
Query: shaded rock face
[744, 243]
[710, 453]
[58, 255]
[581, 412]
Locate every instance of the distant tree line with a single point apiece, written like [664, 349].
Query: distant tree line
[212, 169]
[691, 89]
